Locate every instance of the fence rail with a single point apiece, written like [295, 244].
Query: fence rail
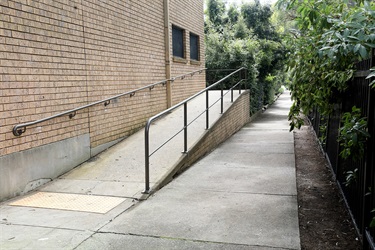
[184, 128]
[360, 194]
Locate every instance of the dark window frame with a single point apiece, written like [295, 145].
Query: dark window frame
[178, 42]
[194, 50]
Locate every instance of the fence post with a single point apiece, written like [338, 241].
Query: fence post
[368, 240]
[222, 100]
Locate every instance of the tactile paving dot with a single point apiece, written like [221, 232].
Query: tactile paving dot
[74, 202]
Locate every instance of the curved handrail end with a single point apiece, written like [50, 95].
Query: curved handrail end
[18, 130]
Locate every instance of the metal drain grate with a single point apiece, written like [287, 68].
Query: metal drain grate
[74, 202]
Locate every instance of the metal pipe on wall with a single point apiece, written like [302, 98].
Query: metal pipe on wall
[167, 42]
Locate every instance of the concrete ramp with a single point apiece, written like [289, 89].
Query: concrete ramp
[119, 171]
[73, 208]
[241, 196]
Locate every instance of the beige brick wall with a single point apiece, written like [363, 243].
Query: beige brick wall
[61, 54]
[42, 71]
[188, 15]
[124, 51]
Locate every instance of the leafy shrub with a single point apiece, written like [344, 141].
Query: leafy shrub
[353, 134]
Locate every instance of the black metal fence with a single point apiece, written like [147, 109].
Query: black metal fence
[360, 194]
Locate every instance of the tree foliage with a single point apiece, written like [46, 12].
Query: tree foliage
[216, 9]
[258, 18]
[329, 37]
[243, 36]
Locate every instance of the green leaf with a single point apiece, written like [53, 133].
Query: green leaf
[354, 38]
[361, 35]
[371, 45]
[363, 52]
[356, 48]
[339, 36]
[372, 223]
[325, 48]
[372, 74]
[354, 25]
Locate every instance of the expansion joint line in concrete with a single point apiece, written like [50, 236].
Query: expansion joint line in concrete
[47, 227]
[193, 240]
[240, 192]
[126, 210]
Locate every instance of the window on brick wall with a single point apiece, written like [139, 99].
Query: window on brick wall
[178, 42]
[194, 47]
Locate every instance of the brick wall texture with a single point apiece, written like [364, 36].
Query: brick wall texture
[61, 54]
[187, 14]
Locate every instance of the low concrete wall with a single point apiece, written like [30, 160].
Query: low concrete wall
[97, 150]
[233, 119]
[229, 123]
[23, 171]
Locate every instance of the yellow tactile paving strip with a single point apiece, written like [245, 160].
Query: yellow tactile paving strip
[74, 202]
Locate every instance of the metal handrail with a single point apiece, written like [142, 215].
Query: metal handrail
[161, 114]
[21, 128]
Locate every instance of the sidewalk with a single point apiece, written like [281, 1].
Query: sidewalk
[241, 196]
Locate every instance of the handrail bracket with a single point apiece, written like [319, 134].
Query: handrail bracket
[71, 115]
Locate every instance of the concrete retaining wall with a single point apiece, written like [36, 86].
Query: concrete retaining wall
[228, 124]
[233, 119]
[26, 170]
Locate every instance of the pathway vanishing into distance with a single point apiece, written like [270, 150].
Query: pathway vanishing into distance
[241, 196]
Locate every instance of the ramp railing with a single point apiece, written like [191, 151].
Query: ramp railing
[243, 76]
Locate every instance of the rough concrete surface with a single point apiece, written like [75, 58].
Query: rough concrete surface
[241, 196]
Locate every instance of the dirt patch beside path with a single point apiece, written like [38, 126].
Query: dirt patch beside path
[324, 222]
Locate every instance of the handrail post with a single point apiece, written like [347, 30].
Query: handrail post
[207, 111]
[222, 100]
[147, 159]
[242, 77]
[185, 128]
[231, 94]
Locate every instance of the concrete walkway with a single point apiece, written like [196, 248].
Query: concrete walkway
[241, 196]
